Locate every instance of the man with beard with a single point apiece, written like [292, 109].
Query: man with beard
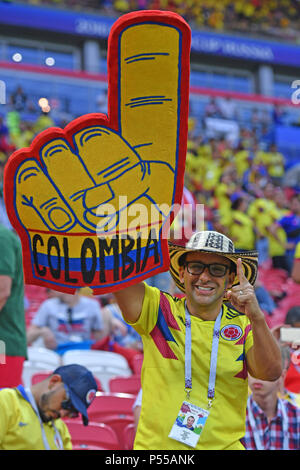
[31, 417]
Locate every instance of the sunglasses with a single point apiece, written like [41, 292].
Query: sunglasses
[214, 269]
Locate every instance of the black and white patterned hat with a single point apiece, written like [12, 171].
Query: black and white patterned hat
[217, 243]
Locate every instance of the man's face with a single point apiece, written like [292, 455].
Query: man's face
[261, 388]
[205, 289]
[50, 404]
[190, 421]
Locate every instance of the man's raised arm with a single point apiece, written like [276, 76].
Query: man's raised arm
[130, 301]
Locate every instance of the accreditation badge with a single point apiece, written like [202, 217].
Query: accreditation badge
[189, 424]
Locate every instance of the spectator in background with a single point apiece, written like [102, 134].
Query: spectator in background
[291, 178]
[265, 216]
[68, 321]
[12, 315]
[18, 99]
[292, 376]
[265, 300]
[275, 163]
[212, 109]
[43, 122]
[121, 338]
[278, 114]
[291, 225]
[241, 228]
[13, 120]
[272, 423]
[31, 417]
[228, 108]
[121, 332]
[292, 379]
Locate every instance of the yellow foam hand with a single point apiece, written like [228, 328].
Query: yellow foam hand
[90, 201]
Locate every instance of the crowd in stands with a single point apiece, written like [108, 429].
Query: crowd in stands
[273, 18]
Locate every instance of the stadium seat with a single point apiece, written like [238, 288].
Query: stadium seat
[118, 423]
[92, 357]
[106, 403]
[103, 365]
[113, 409]
[128, 436]
[44, 355]
[39, 376]
[30, 369]
[95, 436]
[39, 359]
[125, 384]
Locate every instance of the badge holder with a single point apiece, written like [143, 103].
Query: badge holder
[191, 419]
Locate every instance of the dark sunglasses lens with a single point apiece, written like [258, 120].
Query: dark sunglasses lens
[195, 268]
[217, 270]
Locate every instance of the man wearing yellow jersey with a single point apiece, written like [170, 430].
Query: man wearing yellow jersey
[30, 417]
[265, 216]
[241, 228]
[198, 349]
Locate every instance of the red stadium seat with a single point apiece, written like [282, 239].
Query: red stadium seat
[113, 409]
[95, 436]
[130, 384]
[119, 423]
[128, 436]
[106, 403]
[39, 376]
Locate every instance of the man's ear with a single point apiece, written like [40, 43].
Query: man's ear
[55, 379]
[181, 274]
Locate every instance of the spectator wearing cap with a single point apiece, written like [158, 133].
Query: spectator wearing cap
[31, 417]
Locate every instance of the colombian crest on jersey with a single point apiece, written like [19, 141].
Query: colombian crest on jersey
[231, 332]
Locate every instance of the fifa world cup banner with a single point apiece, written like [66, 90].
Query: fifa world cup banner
[92, 203]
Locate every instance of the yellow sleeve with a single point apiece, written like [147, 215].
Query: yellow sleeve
[148, 318]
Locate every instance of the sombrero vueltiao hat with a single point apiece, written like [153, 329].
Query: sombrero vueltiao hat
[217, 243]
